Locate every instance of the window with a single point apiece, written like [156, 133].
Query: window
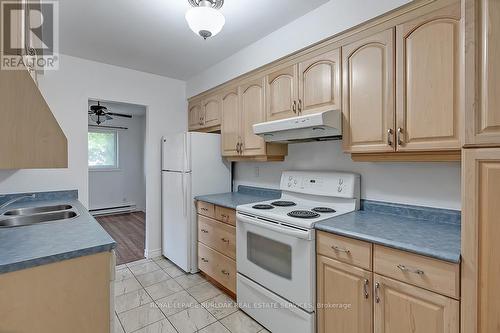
[103, 149]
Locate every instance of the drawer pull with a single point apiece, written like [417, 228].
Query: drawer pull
[365, 288]
[377, 287]
[224, 272]
[410, 270]
[225, 240]
[340, 249]
[204, 209]
[204, 231]
[204, 260]
[224, 216]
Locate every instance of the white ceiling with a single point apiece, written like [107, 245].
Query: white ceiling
[153, 36]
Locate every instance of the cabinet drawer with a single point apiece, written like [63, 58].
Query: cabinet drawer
[439, 276]
[219, 267]
[217, 235]
[226, 215]
[206, 209]
[348, 250]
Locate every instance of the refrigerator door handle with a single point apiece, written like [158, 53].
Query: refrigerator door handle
[183, 194]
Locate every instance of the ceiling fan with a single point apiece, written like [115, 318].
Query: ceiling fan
[99, 114]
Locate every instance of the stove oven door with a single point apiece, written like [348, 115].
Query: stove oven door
[279, 258]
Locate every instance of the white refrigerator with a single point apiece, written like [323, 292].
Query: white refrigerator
[192, 165]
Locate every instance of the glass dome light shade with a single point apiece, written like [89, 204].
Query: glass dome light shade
[205, 21]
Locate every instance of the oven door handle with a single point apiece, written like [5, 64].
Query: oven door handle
[284, 230]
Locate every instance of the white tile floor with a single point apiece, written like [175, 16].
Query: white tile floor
[154, 296]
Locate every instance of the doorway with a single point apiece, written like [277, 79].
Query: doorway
[117, 187]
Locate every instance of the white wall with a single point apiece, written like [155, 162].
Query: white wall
[67, 92]
[422, 184]
[125, 185]
[329, 19]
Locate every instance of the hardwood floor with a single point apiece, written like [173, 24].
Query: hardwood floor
[128, 230]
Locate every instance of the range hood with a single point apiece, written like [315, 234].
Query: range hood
[326, 125]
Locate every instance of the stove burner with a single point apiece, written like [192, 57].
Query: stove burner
[303, 214]
[283, 203]
[262, 206]
[323, 210]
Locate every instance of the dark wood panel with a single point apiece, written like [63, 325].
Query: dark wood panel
[128, 230]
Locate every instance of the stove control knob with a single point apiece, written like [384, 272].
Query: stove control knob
[290, 178]
[341, 181]
[295, 181]
[289, 184]
[339, 189]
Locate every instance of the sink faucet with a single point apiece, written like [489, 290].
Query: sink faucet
[11, 201]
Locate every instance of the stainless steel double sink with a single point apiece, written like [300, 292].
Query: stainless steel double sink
[33, 215]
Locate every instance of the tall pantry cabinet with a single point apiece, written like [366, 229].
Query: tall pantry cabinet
[481, 170]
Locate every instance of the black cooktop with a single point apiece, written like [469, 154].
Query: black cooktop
[323, 210]
[303, 214]
[262, 206]
[282, 203]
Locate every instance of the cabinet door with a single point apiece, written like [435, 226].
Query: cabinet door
[344, 297]
[211, 111]
[230, 126]
[480, 245]
[482, 73]
[194, 115]
[400, 307]
[429, 56]
[252, 112]
[368, 94]
[282, 90]
[319, 83]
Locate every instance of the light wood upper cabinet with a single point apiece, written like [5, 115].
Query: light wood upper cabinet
[252, 106]
[400, 307]
[319, 83]
[211, 108]
[429, 56]
[282, 92]
[30, 136]
[230, 127]
[368, 94]
[480, 245]
[340, 283]
[482, 73]
[194, 115]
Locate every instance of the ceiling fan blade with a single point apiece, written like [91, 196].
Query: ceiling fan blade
[119, 115]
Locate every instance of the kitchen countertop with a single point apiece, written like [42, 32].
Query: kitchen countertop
[426, 231]
[245, 195]
[44, 243]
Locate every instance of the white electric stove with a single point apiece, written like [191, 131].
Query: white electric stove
[276, 247]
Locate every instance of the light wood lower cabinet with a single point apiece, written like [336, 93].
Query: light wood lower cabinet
[393, 298]
[67, 296]
[480, 243]
[344, 297]
[217, 244]
[400, 307]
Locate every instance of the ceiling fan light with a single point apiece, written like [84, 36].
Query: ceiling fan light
[205, 21]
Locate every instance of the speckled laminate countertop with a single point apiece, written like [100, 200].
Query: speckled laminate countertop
[427, 231]
[245, 195]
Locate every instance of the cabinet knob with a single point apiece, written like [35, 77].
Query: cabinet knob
[204, 259]
[300, 105]
[224, 272]
[225, 240]
[377, 288]
[204, 231]
[294, 106]
[389, 136]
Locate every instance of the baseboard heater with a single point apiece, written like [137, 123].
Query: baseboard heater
[113, 210]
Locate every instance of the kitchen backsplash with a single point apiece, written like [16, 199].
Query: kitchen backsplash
[432, 184]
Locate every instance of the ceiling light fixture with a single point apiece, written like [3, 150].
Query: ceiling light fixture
[204, 18]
